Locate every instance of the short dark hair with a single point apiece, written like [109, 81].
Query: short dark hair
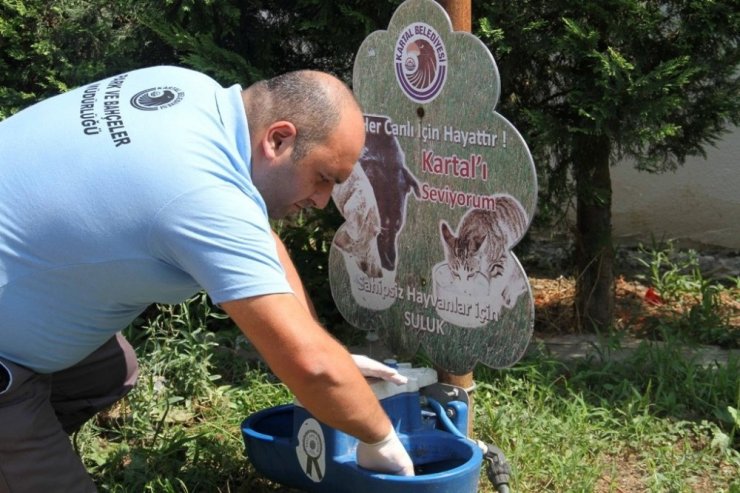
[303, 99]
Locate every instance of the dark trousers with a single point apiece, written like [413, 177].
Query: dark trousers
[38, 412]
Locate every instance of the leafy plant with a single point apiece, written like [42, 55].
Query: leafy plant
[654, 419]
[48, 47]
[671, 275]
[178, 430]
[700, 314]
[179, 345]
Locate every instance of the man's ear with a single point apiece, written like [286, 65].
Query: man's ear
[279, 138]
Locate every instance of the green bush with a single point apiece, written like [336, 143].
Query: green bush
[48, 47]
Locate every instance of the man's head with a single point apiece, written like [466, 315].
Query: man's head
[307, 132]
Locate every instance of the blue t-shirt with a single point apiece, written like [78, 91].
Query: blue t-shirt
[128, 191]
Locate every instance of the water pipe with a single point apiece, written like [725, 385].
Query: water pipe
[442, 416]
[498, 468]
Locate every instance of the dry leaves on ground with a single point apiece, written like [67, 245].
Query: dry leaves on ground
[635, 305]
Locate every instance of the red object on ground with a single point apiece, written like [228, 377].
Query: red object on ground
[652, 297]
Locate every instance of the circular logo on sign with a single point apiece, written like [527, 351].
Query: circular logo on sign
[312, 444]
[157, 98]
[310, 450]
[421, 62]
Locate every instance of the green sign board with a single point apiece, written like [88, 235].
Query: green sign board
[444, 189]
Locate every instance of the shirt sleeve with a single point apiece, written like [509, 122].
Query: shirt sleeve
[221, 237]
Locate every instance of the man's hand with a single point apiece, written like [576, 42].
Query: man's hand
[388, 456]
[372, 368]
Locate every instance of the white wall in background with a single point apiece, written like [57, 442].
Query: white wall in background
[699, 204]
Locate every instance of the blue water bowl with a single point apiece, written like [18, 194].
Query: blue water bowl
[287, 445]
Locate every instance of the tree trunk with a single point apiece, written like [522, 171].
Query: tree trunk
[594, 253]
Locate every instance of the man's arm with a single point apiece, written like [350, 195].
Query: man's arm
[322, 375]
[291, 273]
[325, 378]
[316, 368]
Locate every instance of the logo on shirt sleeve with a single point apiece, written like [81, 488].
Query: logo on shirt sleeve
[157, 98]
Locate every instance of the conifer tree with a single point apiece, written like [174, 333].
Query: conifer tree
[598, 83]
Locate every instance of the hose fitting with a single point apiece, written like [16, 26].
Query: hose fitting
[498, 470]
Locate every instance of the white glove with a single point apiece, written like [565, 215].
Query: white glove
[388, 456]
[372, 368]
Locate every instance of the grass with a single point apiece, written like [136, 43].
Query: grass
[617, 426]
[652, 422]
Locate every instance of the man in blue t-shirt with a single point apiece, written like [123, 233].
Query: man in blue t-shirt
[147, 187]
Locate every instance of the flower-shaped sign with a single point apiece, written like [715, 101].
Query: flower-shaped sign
[444, 188]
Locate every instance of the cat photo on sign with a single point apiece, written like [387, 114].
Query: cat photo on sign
[479, 276]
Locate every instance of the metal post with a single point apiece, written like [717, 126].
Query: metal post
[460, 13]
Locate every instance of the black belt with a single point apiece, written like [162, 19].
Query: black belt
[4, 378]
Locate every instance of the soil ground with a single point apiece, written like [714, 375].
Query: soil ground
[636, 311]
